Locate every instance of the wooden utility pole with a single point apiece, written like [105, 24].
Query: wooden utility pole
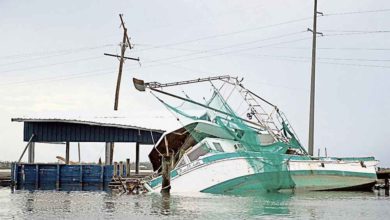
[118, 81]
[125, 43]
[313, 80]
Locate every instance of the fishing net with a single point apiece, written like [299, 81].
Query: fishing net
[268, 161]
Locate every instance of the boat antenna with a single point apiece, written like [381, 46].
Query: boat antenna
[313, 79]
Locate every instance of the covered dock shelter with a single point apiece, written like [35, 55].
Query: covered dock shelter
[57, 130]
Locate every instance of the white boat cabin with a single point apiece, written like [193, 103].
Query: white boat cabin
[206, 147]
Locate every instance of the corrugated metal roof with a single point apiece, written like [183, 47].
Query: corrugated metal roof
[100, 121]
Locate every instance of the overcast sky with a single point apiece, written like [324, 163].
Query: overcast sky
[52, 64]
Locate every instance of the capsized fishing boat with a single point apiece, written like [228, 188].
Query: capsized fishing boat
[257, 150]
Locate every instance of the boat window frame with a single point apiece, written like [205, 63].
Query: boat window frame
[217, 146]
[209, 150]
[185, 159]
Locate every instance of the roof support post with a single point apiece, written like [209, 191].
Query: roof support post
[67, 153]
[31, 152]
[112, 146]
[137, 158]
[108, 160]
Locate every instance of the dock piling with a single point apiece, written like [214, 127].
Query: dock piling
[121, 169]
[387, 185]
[115, 169]
[166, 174]
[128, 167]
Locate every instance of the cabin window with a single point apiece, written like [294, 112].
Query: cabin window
[218, 146]
[198, 152]
[238, 146]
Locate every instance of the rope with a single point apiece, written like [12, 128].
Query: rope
[167, 187]
[154, 144]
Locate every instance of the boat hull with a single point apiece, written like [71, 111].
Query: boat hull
[224, 174]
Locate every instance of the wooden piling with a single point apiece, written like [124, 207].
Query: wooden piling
[166, 174]
[121, 169]
[387, 185]
[128, 167]
[115, 169]
[137, 158]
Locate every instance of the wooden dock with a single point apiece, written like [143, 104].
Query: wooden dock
[384, 174]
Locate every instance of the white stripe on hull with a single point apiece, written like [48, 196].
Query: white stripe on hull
[205, 176]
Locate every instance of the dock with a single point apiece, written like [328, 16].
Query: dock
[383, 175]
[76, 175]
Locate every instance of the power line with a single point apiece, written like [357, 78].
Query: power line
[52, 64]
[61, 77]
[323, 58]
[162, 47]
[357, 33]
[299, 59]
[358, 12]
[42, 53]
[101, 71]
[230, 33]
[54, 55]
[234, 45]
[356, 64]
[332, 48]
[261, 27]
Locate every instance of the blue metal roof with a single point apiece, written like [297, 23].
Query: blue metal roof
[66, 130]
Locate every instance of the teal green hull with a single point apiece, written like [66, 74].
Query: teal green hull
[297, 181]
[273, 176]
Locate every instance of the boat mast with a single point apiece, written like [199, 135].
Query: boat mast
[313, 80]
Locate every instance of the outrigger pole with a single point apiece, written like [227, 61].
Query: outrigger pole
[140, 85]
[264, 119]
[193, 102]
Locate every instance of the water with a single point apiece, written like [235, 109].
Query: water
[104, 205]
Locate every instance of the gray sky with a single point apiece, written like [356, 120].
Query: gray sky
[52, 63]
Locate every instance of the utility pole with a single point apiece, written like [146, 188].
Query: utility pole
[313, 79]
[125, 43]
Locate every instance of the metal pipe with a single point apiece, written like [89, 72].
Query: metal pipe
[205, 106]
[24, 151]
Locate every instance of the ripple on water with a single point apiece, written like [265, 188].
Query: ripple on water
[105, 205]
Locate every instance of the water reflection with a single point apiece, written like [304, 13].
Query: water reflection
[98, 205]
[165, 203]
[30, 202]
